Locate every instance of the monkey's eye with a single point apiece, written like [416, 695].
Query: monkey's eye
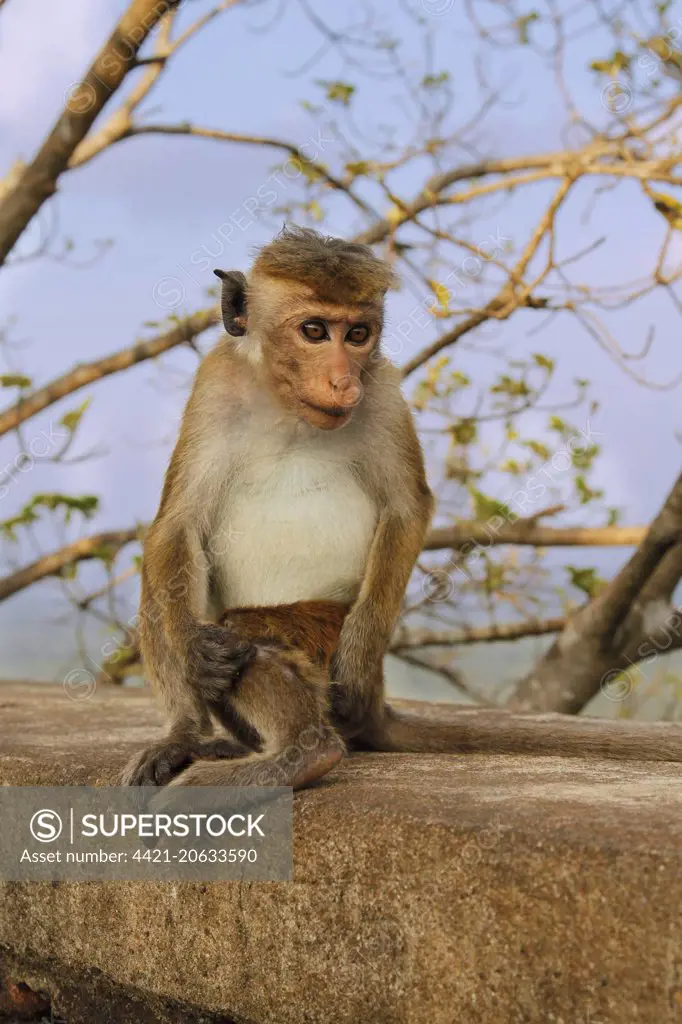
[358, 335]
[314, 330]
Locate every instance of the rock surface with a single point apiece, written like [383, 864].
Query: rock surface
[427, 890]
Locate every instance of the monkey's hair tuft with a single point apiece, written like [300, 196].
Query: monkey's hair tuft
[335, 269]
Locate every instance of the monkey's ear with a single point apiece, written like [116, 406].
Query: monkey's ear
[233, 301]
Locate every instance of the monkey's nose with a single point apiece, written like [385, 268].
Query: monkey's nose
[347, 390]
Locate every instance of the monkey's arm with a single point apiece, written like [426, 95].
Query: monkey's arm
[188, 658]
[399, 538]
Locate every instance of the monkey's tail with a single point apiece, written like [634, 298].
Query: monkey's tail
[503, 732]
[293, 766]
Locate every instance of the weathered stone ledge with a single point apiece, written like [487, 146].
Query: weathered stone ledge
[441, 889]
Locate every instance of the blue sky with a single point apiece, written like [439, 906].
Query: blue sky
[161, 199]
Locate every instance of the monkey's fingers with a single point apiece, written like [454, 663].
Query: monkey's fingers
[218, 656]
[160, 763]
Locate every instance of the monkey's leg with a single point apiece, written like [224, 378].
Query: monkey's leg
[290, 767]
[280, 705]
[502, 732]
[189, 735]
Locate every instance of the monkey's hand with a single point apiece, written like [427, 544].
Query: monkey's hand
[217, 658]
[162, 761]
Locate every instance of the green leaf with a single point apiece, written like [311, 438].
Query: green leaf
[544, 361]
[315, 210]
[309, 171]
[422, 393]
[537, 448]
[87, 505]
[459, 379]
[586, 580]
[618, 61]
[515, 387]
[494, 577]
[522, 24]
[70, 420]
[434, 81]
[15, 380]
[513, 467]
[585, 492]
[583, 458]
[338, 92]
[486, 508]
[463, 432]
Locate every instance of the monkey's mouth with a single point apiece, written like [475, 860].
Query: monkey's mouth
[336, 411]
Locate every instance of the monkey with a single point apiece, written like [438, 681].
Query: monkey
[298, 476]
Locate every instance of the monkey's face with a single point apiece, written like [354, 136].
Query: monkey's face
[311, 346]
[317, 358]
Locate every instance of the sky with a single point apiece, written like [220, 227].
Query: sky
[162, 199]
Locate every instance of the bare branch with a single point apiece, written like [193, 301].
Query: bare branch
[540, 167]
[513, 295]
[120, 124]
[532, 535]
[55, 563]
[185, 332]
[38, 179]
[449, 674]
[407, 637]
[196, 131]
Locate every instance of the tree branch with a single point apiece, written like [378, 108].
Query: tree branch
[446, 672]
[531, 535]
[448, 537]
[618, 628]
[120, 124]
[513, 295]
[186, 128]
[407, 637]
[38, 180]
[54, 564]
[81, 376]
[525, 170]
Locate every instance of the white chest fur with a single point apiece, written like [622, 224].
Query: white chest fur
[296, 526]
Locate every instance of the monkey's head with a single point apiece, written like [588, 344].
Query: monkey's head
[312, 313]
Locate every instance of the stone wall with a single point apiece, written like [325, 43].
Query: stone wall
[428, 890]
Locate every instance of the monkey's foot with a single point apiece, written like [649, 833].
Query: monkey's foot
[317, 767]
[161, 762]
